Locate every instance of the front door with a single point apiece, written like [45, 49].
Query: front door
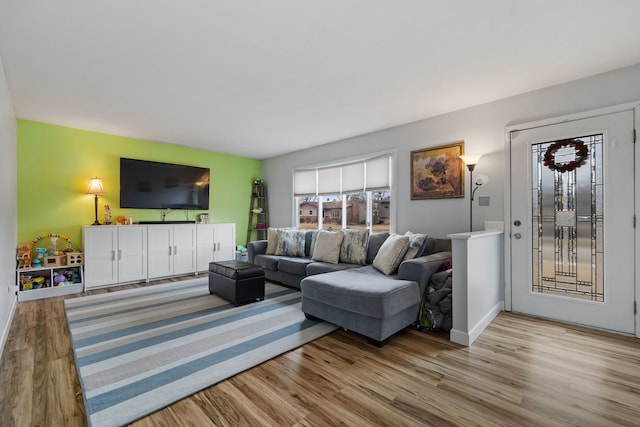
[572, 221]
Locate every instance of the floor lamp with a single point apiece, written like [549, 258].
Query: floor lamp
[95, 188]
[471, 160]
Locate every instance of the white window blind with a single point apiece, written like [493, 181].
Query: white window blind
[378, 173]
[305, 182]
[329, 180]
[353, 177]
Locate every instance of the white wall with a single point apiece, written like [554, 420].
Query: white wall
[482, 128]
[8, 207]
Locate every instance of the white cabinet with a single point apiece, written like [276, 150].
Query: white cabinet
[172, 250]
[216, 242]
[114, 254]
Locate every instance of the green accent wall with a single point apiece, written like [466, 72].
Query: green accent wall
[56, 164]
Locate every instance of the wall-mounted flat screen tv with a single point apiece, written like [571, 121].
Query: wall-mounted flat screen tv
[155, 185]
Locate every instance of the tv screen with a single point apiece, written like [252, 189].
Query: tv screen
[155, 185]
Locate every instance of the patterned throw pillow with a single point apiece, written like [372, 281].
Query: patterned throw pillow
[417, 242]
[391, 253]
[290, 243]
[273, 235]
[327, 247]
[354, 247]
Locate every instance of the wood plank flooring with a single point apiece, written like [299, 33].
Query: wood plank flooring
[521, 371]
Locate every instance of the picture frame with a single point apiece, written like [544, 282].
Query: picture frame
[437, 172]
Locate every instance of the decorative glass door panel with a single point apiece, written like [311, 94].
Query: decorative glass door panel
[567, 218]
[572, 214]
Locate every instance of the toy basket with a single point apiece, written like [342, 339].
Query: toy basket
[54, 260]
[74, 258]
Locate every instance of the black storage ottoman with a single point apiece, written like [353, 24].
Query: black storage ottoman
[236, 281]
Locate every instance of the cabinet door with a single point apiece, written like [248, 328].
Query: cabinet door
[206, 246]
[132, 253]
[100, 252]
[160, 248]
[184, 249]
[225, 237]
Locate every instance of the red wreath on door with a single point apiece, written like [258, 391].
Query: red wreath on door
[581, 150]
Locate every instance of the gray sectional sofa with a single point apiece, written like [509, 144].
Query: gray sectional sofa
[356, 296]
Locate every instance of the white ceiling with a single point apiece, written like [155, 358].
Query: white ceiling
[259, 78]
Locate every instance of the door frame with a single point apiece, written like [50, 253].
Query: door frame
[633, 106]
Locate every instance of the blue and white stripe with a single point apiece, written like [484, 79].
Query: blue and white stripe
[142, 349]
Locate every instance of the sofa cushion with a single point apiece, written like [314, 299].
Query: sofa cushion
[434, 246]
[326, 267]
[268, 262]
[354, 247]
[391, 253]
[291, 243]
[297, 266]
[309, 240]
[327, 247]
[375, 296]
[417, 243]
[375, 242]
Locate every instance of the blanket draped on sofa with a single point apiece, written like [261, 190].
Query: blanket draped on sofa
[435, 307]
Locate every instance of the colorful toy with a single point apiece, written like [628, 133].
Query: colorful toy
[74, 258]
[59, 280]
[24, 252]
[23, 256]
[39, 282]
[26, 280]
[37, 262]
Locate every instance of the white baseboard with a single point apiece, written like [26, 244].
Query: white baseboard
[467, 338]
[7, 328]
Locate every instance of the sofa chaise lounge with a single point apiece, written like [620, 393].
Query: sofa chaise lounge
[354, 287]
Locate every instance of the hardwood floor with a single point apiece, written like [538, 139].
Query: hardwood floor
[520, 371]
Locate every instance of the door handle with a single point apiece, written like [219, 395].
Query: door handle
[170, 251]
[517, 235]
[175, 250]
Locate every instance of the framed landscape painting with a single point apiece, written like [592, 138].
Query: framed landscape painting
[438, 172]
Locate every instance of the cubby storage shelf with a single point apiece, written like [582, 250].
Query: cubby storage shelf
[37, 283]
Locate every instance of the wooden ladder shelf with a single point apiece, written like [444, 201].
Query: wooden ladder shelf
[258, 213]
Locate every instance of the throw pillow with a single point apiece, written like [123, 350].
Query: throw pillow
[327, 247]
[272, 240]
[391, 253]
[273, 235]
[417, 243]
[354, 247]
[291, 243]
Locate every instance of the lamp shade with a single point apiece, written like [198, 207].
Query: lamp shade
[95, 187]
[471, 159]
[482, 180]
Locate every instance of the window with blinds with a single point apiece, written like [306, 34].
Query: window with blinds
[353, 195]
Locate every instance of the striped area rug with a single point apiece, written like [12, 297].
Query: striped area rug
[142, 349]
